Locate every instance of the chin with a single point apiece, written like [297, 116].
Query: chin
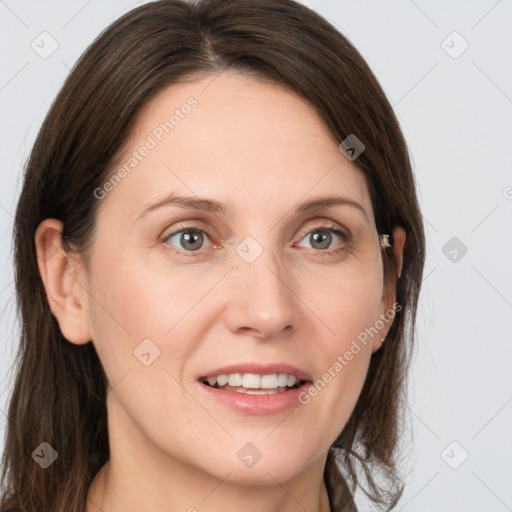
[265, 471]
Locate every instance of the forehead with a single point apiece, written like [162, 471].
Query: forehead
[229, 136]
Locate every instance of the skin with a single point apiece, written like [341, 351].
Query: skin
[259, 149]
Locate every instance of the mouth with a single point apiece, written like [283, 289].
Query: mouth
[255, 389]
[254, 384]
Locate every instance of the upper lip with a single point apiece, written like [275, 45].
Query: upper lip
[259, 369]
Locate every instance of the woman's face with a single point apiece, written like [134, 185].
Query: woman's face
[259, 282]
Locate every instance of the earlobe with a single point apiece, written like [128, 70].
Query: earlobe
[66, 297]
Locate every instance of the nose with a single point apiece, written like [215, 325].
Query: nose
[262, 302]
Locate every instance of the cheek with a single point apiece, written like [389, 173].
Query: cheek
[348, 302]
[131, 305]
[349, 308]
[136, 300]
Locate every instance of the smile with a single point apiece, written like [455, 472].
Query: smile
[252, 383]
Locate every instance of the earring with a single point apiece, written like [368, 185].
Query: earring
[385, 241]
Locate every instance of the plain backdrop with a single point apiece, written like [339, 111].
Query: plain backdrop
[447, 71]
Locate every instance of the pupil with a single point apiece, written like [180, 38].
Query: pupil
[326, 236]
[188, 237]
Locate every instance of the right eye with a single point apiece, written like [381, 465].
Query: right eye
[187, 239]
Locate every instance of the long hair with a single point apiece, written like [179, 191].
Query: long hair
[59, 393]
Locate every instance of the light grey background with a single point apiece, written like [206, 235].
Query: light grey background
[456, 113]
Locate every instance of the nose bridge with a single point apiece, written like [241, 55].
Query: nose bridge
[264, 300]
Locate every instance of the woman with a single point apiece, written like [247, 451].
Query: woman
[251, 370]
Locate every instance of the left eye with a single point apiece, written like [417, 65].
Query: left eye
[322, 236]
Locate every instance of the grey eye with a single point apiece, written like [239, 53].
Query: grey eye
[188, 239]
[323, 237]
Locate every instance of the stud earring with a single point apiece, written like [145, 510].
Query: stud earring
[385, 241]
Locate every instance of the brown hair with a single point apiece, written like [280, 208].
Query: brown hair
[60, 388]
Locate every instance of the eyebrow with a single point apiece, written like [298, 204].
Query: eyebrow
[211, 205]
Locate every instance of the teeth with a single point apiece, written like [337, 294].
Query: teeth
[291, 380]
[282, 380]
[253, 380]
[235, 379]
[222, 380]
[270, 381]
[253, 391]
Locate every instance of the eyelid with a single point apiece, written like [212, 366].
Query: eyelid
[182, 225]
[324, 225]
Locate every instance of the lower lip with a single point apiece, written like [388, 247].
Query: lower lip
[257, 404]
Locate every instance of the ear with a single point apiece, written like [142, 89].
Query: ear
[389, 296]
[398, 248]
[66, 295]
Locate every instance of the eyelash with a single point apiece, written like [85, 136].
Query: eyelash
[192, 229]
